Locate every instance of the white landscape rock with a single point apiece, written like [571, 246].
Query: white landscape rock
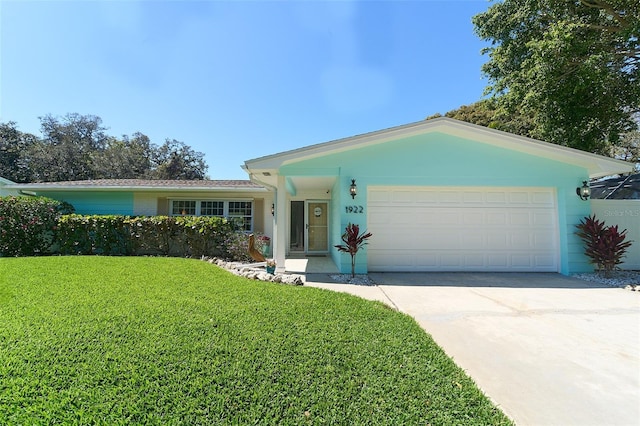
[629, 280]
[255, 273]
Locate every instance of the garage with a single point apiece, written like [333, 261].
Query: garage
[502, 229]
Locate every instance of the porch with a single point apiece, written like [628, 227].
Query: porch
[306, 264]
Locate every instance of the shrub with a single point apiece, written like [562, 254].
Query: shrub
[27, 224]
[353, 241]
[102, 235]
[236, 246]
[38, 225]
[154, 235]
[204, 236]
[604, 245]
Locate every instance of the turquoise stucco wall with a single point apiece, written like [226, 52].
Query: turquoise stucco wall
[438, 159]
[86, 202]
[336, 229]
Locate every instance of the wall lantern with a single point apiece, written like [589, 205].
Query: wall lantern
[584, 192]
[273, 209]
[353, 189]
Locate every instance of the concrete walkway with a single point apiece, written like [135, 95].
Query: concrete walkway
[547, 349]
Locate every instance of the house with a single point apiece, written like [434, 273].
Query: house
[243, 201]
[438, 195]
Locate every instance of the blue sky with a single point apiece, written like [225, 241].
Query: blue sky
[238, 79]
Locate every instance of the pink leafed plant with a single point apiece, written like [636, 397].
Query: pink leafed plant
[353, 241]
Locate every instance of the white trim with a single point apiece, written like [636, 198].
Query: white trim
[211, 199]
[225, 208]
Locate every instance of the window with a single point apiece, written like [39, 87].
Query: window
[183, 207]
[240, 212]
[211, 208]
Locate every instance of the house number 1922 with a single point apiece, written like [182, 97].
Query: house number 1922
[354, 209]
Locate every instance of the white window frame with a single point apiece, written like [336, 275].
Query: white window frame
[225, 202]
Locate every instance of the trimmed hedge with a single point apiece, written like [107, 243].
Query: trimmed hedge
[155, 235]
[32, 226]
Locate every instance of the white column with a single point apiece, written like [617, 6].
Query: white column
[280, 223]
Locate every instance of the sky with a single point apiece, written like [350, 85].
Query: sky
[238, 80]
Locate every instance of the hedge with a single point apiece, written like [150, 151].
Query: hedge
[28, 224]
[155, 235]
[37, 226]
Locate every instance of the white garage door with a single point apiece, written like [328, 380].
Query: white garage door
[462, 229]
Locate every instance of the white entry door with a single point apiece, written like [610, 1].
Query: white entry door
[462, 229]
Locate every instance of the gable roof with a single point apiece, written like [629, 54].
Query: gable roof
[262, 169]
[141, 185]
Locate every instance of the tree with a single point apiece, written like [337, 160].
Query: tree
[570, 65]
[126, 158]
[177, 160]
[77, 147]
[13, 146]
[487, 113]
[67, 148]
[629, 147]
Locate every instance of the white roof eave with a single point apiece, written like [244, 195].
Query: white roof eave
[72, 188]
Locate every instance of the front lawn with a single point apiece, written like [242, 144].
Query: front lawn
[133, 340]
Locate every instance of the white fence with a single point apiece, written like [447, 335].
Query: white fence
[625, 214]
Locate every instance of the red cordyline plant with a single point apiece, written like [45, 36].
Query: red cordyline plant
[353, 241]
[604, 245]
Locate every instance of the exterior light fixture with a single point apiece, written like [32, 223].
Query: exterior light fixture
[353, 189]
[273, 209]
[584, 192]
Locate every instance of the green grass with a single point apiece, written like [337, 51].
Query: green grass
[116, 340]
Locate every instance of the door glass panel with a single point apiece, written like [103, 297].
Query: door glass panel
[318, 231]
[296, 234]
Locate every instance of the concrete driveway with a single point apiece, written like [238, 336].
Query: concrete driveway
[547, 349]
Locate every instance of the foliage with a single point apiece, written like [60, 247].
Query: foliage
[176, 160]
[487, 113]
[628, 149]
[102, 235]
[353, 241]
[32, 226]
[205, 236]
[13, 143]
[125, 158]
[604, 245]
[27, 224]
[123, 235]
[157, 235]
[571, 66]
[66, 149]
[77, 147]
[115, 340]
[236, 246]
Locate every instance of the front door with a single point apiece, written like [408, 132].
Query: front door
[317, 227]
